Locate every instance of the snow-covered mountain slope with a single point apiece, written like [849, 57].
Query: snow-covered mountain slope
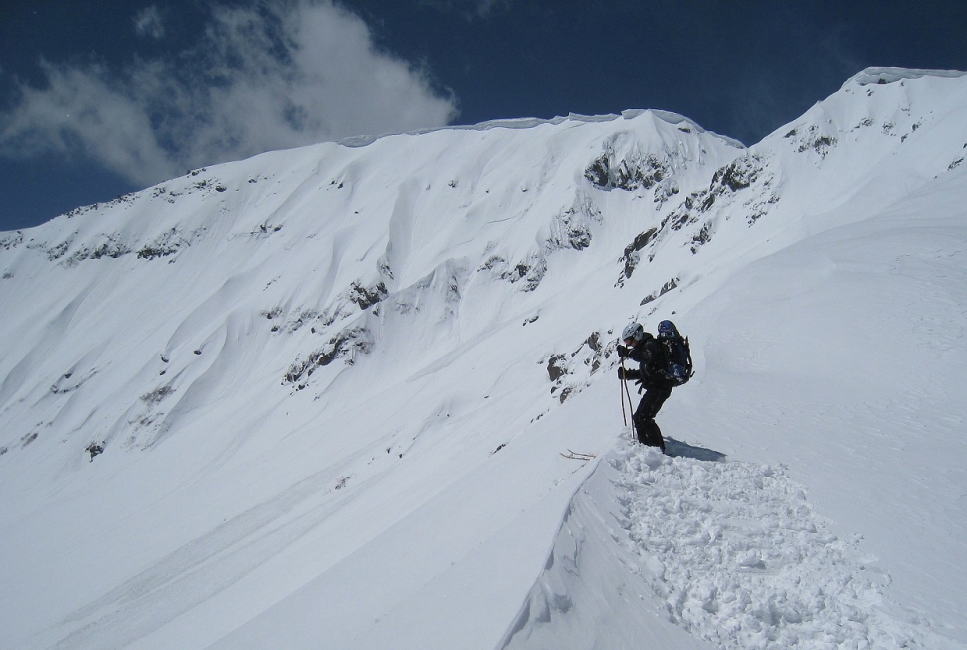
[331, 385]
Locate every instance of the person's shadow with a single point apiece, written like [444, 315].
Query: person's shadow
[678, 448]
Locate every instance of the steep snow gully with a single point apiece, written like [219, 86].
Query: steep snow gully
[730, 552]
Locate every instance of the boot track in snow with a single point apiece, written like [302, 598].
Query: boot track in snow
[729, 552]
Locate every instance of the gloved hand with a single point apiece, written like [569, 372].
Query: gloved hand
[628, 373]
[623, 351]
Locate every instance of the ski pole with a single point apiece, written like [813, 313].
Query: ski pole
[624, 416]
[634, 429]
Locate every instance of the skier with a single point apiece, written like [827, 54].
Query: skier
[651, 356]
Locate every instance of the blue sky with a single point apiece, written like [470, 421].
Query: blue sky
[98, 98]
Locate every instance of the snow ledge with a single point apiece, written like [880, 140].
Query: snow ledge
[889, 75]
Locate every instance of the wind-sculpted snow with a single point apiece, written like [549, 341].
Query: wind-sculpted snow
[680, 121]
[891, 75]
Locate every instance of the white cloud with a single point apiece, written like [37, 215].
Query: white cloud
[262, 78]
[148, 22]
[82, 111]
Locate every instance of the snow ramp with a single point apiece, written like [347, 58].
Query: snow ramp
[683, 552]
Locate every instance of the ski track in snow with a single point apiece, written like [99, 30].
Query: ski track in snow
[198, 570]
[740, 559]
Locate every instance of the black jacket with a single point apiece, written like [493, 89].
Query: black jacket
[650, 357]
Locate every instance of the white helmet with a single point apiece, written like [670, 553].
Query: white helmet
[633, 331]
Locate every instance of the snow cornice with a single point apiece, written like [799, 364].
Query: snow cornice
[670, 117]
[877, 75]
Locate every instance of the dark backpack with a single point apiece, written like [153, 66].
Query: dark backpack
[677, 360]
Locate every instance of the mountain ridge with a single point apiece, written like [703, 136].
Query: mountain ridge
[305, 361]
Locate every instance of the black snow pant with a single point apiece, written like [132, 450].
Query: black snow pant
[644, 418]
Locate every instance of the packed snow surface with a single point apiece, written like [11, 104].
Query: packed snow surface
[318, 398]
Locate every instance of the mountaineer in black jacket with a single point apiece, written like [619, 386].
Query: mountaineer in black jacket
[646, 350]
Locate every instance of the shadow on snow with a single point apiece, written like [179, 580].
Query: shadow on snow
[683, 449]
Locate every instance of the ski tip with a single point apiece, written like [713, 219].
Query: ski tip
[577, 455]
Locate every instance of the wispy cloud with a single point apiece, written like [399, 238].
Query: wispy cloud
[263, 77]
[148, 22]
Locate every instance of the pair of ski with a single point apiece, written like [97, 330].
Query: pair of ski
[577, 455]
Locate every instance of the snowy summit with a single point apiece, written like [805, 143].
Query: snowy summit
[319, 398]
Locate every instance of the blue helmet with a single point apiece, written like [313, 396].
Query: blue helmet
[667, 330]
